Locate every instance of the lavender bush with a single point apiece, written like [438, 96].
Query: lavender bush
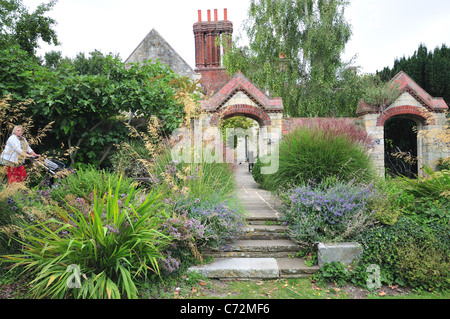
[197, 197]
[198, 223]
[223, 224]
[327, 212]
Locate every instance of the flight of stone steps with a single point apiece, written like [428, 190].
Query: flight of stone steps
[264, 250]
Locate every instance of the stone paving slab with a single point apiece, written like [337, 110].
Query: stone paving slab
[244, 268]
[255, 268]
[295, 267]
[264, 245]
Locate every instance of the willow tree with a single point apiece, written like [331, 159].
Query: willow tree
[294, 51]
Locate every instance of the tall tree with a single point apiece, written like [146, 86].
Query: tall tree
[295, 51]
[430, 69]
[19, 26]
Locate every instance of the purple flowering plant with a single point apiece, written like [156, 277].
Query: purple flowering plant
[223, 223]
[197, 223]
[328, 211]
[195, 197]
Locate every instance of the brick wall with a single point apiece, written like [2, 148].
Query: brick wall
[213, 79]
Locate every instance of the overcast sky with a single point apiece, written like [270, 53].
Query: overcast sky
[382, 29]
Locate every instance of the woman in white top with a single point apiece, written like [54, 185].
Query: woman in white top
[16, 150]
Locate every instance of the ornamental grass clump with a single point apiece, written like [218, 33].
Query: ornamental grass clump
[327, 212]
[98, 254]
[316, 152]
[85, 181]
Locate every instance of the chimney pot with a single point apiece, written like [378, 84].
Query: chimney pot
[215, 14]
[209, 15]
[199, 15]
[225, 14]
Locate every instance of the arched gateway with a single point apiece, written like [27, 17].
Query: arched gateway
[240, 97]
[413, 110]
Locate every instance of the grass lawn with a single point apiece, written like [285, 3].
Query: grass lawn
[299, 288]
[197, 287]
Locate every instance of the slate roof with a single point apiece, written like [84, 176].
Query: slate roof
[155, 47]
[239, 82]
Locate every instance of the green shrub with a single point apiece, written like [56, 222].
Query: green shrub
[256, 171]
[213, 180]
[408, 254]
[197, 224]
[11, 218]
[223, 222]
[429, 211]
[432, 194]
[443, 164]
[198, 198]
[423, 264]
[312, 153]
[101, 252]
[334, 272]
[84, 182]
[434, 185]
[390, 200]
[127, 160]
[19, 208]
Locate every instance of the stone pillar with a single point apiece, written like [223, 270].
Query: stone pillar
[377, 135]
[433, 149]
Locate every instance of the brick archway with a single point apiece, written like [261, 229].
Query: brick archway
[241, 97]
[250, 111]
[406, 110]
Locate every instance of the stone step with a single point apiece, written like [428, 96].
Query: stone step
[263, 217]
[255, 268]
[264, 231]
[266, 228]
[239, 268]
[295, 268]
[275, 248]
[261, 207]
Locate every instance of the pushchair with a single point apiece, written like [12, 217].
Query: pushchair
[55, 170]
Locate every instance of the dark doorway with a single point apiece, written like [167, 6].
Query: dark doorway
[400, 145]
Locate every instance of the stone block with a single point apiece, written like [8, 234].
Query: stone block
[244, 268]
[346, 253]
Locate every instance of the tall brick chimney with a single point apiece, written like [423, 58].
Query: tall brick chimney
[207, 53]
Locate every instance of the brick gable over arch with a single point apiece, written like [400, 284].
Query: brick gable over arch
[407, 85]
[412, 102]
[241, 97]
